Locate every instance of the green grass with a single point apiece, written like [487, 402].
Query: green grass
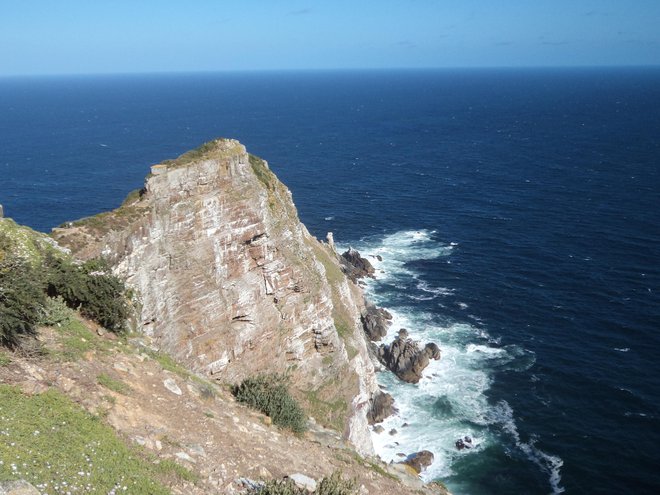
[167, 362]
[55, 445]
[329, 413]
[170, 468]
[4, 359]
[112, 384]
[76, 340]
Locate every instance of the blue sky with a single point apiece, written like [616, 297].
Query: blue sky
[117, 36]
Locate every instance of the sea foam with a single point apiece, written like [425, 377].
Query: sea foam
[450, 402]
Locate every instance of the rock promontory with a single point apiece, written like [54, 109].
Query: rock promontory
[230, 282]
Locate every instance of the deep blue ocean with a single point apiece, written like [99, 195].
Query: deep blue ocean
[517, 213]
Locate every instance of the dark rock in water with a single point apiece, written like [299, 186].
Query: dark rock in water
[381, 406]
[464, 443]
[393, 431]
[378, 429]
[432, 351]
[379, 257]
[375, 322]
[355, 266]
[405, 359]
[419, 460]
[404, 425]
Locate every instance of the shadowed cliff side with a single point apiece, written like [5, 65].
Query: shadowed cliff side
[230, 282]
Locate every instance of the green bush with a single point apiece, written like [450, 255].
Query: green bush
[55, 313]
[92, 288]
[21, 299]
[270, 395]
[332, 485]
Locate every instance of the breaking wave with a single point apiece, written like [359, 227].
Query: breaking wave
[450, 402]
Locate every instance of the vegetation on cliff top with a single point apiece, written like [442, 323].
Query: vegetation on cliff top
[32, 270]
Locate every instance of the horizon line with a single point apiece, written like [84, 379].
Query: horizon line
[334, 69]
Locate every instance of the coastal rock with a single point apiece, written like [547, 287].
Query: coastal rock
[419, 460]
[464, 443]
[381, 407]
[375, 322]
[355, 266]
[406, 359]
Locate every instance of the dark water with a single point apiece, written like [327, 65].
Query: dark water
[517, 212]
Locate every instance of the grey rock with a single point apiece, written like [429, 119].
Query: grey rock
[171, 385]
[184, 457]
[355, 266]
[304, 482]
[20, 487]
[375, 322]
[419, 460]
[405, 359]
[381, 406]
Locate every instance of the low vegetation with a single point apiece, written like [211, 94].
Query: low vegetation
[35, 429]
[330, 485]
[40, 285]
[270, 395]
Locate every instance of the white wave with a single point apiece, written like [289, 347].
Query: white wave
[502, 414]
[450, 400]
[622, 349]
[329, 218]
[462, 305]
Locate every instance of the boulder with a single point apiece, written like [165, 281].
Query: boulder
[381, 406]
[419, 460]
[304, 482]
[355, 266]
[464, 443]
[405, 359]
[375, 322]
[20, 487]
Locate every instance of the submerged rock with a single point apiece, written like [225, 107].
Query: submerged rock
[405, 359]
[464, 443]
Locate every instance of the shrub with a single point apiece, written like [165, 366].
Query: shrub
[331, 485]
[335, 485]
[90, 287]
[21, 299]
[270, 395]
[55, 313]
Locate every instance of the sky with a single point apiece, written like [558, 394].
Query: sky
[136, 36]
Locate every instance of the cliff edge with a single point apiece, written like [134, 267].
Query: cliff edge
[228, 281]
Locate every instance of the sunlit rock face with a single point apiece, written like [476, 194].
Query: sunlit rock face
[229, 281]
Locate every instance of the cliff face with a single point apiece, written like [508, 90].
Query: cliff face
[230, 282]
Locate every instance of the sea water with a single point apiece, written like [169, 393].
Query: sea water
[516, 212]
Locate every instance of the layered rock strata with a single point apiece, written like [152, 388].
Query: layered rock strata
[229, 281]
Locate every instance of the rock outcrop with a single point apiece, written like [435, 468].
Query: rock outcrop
[230, 282]
[375, 322]
[406, 359]
[420, 460]
[355, 266]
[381, 406]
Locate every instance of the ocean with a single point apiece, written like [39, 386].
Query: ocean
[517, 214]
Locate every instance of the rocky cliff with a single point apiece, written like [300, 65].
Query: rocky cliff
[229, 281]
